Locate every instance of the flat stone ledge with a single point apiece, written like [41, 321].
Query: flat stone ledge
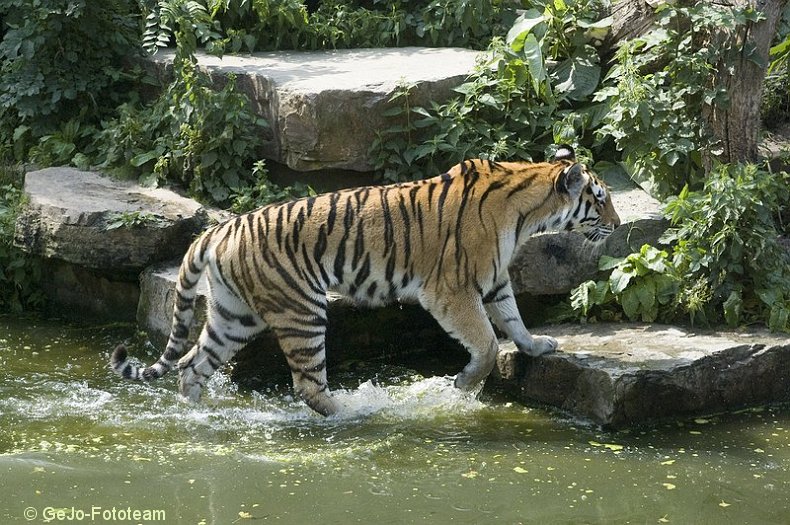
[619, 375]
[325, 107]
[69, 217]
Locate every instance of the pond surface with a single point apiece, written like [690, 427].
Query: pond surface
[78, 444]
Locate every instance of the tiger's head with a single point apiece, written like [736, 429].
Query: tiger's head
[591, 211]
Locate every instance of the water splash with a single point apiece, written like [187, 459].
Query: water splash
[423, 399]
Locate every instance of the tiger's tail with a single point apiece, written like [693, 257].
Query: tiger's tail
[189, 273]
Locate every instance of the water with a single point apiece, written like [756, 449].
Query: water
[77, 442]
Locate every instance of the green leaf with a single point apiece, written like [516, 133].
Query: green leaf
[534, 58]
[629, 300]
[599, 24]
[732, 308]
[646, 293]
[143, 158]
[521, 29]
[577, 78]
[600, 292]
[779, 318]
[607, 263]
[619, 280]
[580, 297]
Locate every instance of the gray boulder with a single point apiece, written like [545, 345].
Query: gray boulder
[95, 234]
[97, 222]
[325, 107]
[619, 375]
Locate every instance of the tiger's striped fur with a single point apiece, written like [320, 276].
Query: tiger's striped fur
[445, 242]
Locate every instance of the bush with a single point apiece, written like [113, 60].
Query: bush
[61, 60]
[662, 83]
[193, 135]
[524, 98]
[727, 264]
[776, 95]
[19, 273]
[287, 24]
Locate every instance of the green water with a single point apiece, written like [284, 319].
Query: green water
[407, 449]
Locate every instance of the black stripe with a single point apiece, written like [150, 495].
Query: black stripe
[443, 197]
[278, 229]
[406, 229]
[363, 272]
[494, 291]
[330, 220]
[521, 186]
[491, 187]
[213, 335]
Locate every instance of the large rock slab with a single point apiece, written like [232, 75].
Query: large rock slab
[325, 107]
[619, 375]
[91, 260]
[73, 216]
[555, 263]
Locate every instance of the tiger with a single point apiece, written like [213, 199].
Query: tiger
[444, 242]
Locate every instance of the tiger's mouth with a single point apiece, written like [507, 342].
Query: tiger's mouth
[599, 232]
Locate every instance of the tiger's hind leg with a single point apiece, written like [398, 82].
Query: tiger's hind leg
[230, 325]
[500, 305]
[464, 318]
[302, 336]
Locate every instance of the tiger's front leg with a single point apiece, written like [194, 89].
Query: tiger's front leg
[500, 305]
[463, 317]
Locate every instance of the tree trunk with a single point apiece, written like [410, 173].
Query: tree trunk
[737, 125]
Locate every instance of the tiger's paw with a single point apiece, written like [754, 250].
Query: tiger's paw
[541, 344]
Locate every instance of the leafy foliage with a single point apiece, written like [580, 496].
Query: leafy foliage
[726, 265]
[206, 140]
[263, 191]
[515, 105]
[776, 95]
[662, 83]
[19, 273]
[251, 25]
[727, 239]
[192, 134]
[642, 283]
[133, 219]
[61, 60]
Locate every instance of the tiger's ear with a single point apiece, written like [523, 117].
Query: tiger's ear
[564, 152]
[572, 180]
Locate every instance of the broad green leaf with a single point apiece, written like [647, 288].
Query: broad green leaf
[577, 78]
[732, 308]
[630, 303]
[646, 291]
[619, 280]
[600, 292]
[607, 263]
[779, 319]
[534, 57]
[599, 24]
[142, 158]
[580, 297]
[522, 27]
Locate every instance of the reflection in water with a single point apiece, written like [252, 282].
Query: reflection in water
[404, 449]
